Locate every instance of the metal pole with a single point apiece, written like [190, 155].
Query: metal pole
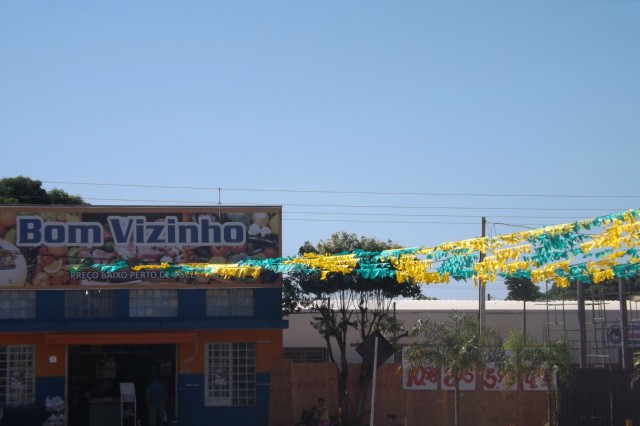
[624, 325]
[481, 285]
[582, 325]
[373, 390]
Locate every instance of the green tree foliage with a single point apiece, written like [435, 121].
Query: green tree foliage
[458, 346]
[525, 357]
[635, 375]
[606, 290]
[23, 190]
[340, 242]
[522, 289]
[346, 303]
[58, 196]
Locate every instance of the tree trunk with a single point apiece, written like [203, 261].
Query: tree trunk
[550, 408]
[365, 379]
[343, 375]
[552, 399]
[456, 402]
[524, 317]
[517, 403]
[342, 396]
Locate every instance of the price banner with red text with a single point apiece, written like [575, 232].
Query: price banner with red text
[467, 381]
[493, 378]
[420, 378]
[532, 382]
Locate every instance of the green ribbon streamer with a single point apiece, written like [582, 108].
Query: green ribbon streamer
[548, 247]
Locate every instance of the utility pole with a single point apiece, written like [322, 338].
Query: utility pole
[627, 361]
[481, 285]
[582, 325]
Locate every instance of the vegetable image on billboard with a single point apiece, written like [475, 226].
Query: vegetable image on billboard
[13, 266]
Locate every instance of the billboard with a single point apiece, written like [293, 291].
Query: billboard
[39, 244]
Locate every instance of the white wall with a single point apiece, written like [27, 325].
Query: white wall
[544, 321]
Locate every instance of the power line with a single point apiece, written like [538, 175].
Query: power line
[451, 207]
[511, 225]
[451, 215]
[315, 191]
[374, 206]
[387, 206]
[379, 221]
[426, 215]
[394, 214]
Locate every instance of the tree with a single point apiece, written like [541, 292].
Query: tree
[635, 374]
[459, 346]
[606, 290]
[525, 357]
[522, 289]
[23, 190]
[517, 360]
[58, 196]
[345, 302]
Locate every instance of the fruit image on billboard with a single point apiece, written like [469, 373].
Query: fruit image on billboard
[39, 246]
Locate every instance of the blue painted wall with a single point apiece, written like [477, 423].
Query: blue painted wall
[194, 413]
[191, 315]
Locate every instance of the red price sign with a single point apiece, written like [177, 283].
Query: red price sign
[493, 379]
[420, 378]
[533, 382]
[466, 382]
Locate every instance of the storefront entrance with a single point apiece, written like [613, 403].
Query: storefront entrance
[95, 373]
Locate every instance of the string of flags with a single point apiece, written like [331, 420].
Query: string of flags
[591, 250]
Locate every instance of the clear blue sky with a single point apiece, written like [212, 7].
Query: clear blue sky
[427, 104]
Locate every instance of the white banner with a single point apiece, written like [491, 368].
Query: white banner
[467, 381]
[493, 378]
[418, 378]
[531, 382]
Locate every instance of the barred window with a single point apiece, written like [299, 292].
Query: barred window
[17, 375]
[89, 304]
[153, 303]
[230, 374]
[17, 304]
[230, 302]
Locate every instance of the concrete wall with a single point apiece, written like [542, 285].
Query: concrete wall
[545, 321]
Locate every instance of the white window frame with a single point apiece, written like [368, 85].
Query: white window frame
[89, 303]
[230, 374]
[153, 303]
[230, 302]
[17, 304]
[17, 375]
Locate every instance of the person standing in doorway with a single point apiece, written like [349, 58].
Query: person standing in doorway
[156, 397]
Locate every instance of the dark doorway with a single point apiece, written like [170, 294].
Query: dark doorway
[96, 371]
[599, 397]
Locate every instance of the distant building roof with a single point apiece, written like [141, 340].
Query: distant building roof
[497, 305]
[410, 305]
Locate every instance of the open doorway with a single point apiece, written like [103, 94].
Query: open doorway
[94, 374]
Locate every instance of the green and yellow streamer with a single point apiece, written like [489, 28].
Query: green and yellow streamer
[592, 250]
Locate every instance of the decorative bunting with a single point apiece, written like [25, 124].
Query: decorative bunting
[592, 250]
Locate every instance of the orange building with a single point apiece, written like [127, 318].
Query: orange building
[79, 346]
